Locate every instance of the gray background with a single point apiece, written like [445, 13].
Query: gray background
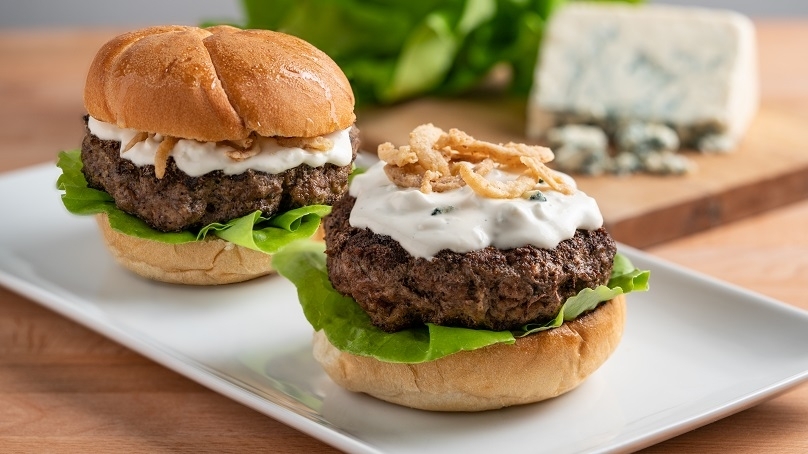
[59, 13]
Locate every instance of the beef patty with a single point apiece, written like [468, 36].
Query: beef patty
[179, 202]
[483, 289]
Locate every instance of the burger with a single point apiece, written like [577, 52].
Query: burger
[461, 275]
[208, 149]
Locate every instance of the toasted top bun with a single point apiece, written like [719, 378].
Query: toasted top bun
[218, 83]
[537, 367]
[209, 262]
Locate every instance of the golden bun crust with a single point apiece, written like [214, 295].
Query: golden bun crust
[537, 367]
[218, 83]
[210, 262]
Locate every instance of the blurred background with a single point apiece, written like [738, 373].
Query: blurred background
[50, 13]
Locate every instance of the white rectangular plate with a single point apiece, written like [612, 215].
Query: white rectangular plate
[694, 349]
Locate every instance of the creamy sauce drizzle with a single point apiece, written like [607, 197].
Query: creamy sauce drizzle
[462, 221]
[198, 158]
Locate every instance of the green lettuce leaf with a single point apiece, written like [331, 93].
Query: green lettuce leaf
[252, 231]
[624, 279]
[349, 329]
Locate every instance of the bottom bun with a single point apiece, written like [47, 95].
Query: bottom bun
[209, 262]
[537, 367]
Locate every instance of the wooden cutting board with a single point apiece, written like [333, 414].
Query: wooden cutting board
[769, 169]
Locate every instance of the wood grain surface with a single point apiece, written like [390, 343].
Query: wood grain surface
[64, 388]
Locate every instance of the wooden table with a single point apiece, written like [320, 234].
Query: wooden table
[64, 388]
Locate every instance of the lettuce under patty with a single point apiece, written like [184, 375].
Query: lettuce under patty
[253, 231]
[349, 328]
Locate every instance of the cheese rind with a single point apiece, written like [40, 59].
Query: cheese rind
[694, 69]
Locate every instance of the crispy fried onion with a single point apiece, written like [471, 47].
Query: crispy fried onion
[237, 150]
[435, 160]
[241, 149]
[139, 137]
[245, 148]
[318, 143]
[161, 156]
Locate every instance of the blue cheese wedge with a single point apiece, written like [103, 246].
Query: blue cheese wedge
[693, 69]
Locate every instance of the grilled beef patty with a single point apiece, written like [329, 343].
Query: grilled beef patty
[484, 289]
[179, 202]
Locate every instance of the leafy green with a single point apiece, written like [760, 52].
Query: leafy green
[253, 231]
[624, 279]
[392, 50]
[349, 329]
